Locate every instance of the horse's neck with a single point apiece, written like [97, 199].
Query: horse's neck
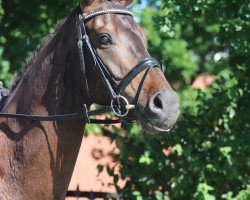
[37, 158]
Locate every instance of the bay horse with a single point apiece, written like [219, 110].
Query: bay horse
[38, 155]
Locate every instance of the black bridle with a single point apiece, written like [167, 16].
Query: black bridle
[119, 105]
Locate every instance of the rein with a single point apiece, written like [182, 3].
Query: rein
[119, 104]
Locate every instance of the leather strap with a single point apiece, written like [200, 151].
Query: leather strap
[66, 117]
[81, 31]
[145, 63]
[105, 11]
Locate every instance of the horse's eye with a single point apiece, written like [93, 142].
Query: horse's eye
[105, 39]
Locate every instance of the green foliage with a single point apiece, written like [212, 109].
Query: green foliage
[211, 140]
[207, 154]
[5, 75]
[24, 24]
[92, 129]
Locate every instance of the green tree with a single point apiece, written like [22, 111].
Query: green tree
[211, 141]
[24, 24]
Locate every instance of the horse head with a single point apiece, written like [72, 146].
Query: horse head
[120, 43]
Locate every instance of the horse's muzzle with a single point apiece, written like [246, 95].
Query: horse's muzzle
[162, 111]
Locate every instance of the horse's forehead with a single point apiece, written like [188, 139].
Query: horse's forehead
[117, 22]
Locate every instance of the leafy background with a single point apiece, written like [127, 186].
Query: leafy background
[206, 156]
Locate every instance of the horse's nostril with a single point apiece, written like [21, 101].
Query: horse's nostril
[158, 102]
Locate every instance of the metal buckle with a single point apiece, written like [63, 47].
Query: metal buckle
[116, 106]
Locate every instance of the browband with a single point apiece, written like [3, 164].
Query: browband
[101, 12]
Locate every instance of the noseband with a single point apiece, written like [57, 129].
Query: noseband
[119, 104]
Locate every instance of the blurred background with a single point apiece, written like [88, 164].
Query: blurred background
[206, 48]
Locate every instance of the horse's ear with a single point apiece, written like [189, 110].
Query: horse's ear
[85, 3]
[124, 2]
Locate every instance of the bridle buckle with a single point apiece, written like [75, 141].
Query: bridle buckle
[118, 108]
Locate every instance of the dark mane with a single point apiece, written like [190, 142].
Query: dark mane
[37, 54]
